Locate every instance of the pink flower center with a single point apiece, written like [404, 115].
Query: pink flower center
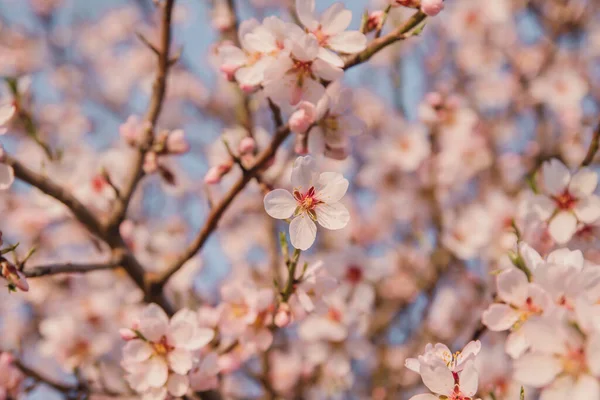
[98, 183]
[565, 201]
[321, 36]
[354, 274]
[307, 202]
[574, 362]
[162, 347]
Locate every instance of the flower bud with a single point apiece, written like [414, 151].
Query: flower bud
[247, 145]
[13, 275]
[283, 316]
[229, 71]
[127, 334]
[150, 162]
[177, 143]
[132, 131]
[432, 7]
[405, 3]
[303, 117]
[374, 21]
[215, 174]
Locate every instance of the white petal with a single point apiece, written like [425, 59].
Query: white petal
[326, 71]
[583, 183]
[438, 379]
[180, 333]
[332, 216]
[499, 317]
[348, 42]
[154, 323]
[592, 353]
[586, 387]
[155, 394]
[178, 385]
[531, 257]
[137, 351]
[542, 206]
[331, 187]
[304, 173]
[556, 177]
[280, 204]
[6, 113]
[7, 176]
[316, 141]
[536, 370]
[588, 209]
[468, 379]
[516, 344]
[413, 364]
[305, 10]
[573, 259]
[562, 227]
[202, 337]
[180, 361]
[157, 372]
[303, 232]
[512, 286]
[543, 336]
[335, 19]
[330, 57]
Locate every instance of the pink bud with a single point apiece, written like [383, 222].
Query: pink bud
[127, 334]
[303, 117]
[432, 7]
[229, 71]
[177, 143]
[283, 316]
[14, 276]
[247, 145]
[150, 162]
[248, 89]
[215, 174]
[374, 20]
[405, 3]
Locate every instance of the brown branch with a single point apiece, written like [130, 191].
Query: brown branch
[153, 112]
[61, 387]
[67, 268]
[215, 215]
[400, 33]
[51, 188]
[593, 149]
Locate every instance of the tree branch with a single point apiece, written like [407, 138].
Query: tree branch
[593, 149]
[51, 188]
[153, 112]
[67, 268]
[400, 33]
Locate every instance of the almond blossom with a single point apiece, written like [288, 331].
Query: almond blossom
[330, 32]
[315, 198]
[449, 376]
[296, 77]
[160, 356]
[567, 199]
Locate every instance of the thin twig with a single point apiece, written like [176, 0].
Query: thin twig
[67, 268]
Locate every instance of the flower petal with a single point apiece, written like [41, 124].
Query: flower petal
[469, 379]
[424, 396]
[137, 351]
[157, 372]
[332, 216]
[326, 71]
[562, 227]
[154, 323]
[348, 42]
[331, 187]
[303, 232]
[178, 385]
[280, 204]
[556, 177]
[7, 176]
[330, 57]
[536, 370]
[180, 361]
[588, 209]
[304, 173]
[438, 379]
[305, 10]
[335, 19]
[512, 286]
[499, 317]
[584, 182]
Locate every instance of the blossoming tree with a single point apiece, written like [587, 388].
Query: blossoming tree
[277, 199]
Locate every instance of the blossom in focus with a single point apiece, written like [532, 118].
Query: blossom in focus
[448, 376]
[566, 199]
[330, 30]
[315, 198]
[297, 76]
[158, 361]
